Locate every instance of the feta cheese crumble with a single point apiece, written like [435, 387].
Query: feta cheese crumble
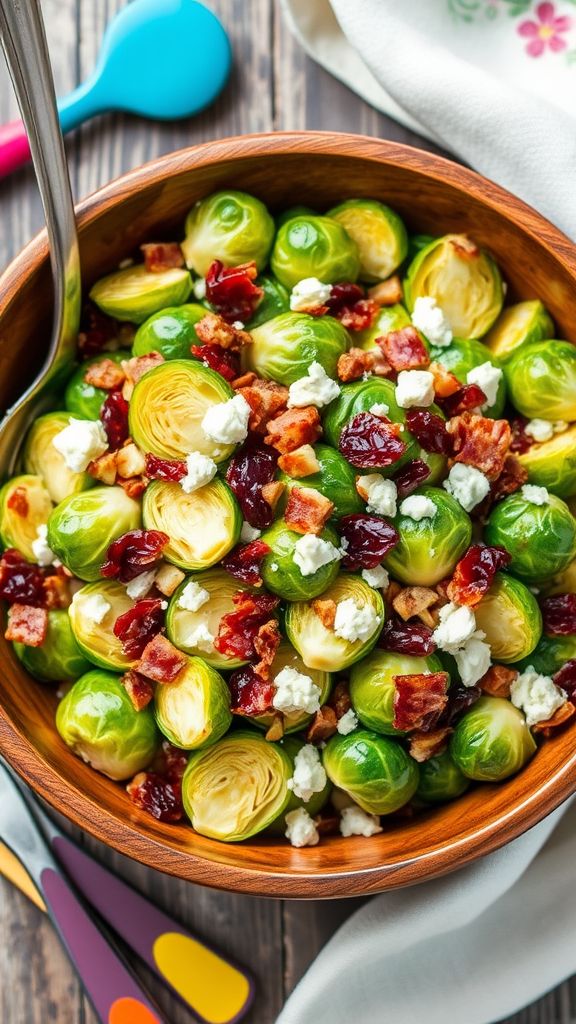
[40, 548]
[544, 430]
[535, 495]
[418, 507]
[140, 585]
[429, 317]
[193, 597]
[467, 484]
[474, 659]
[295, 692]
[311, 553]
[199, 288]
[200, 637]
[81, 442]
[309, 293]
[354, 623]
[309, 775]
[487, 377]
[377, 578]
[379, 494]
[536, 695]
[301, 829]
[414, 387]
[457, 625]
[200, 470]
[249, 533]
[227, 422]
[379, 409]
[317, 388]
[347, 723]
[95, 608]
[356, 822]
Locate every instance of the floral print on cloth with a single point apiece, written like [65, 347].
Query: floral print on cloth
[540, 29]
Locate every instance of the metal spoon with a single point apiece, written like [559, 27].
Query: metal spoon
[24, 43]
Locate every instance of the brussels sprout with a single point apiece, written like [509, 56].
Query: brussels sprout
[190, 631]
[518, 326]
[563, 582]
[202, 526]
[276, 300]
[82, 527]
[416, 243]
[44, 460]
[287, 657]
[292, 745]
[320, 647]
[229, 226]
[540, 538]
[549, 655]
[360, 397]
[98, 721]
[24, 506]
[314, 247]
[375, 771]
[463, 279]
[461, 356]
[294, 211]
[372, 686]
[283, 348]
[193, 712]
[336, 480]
[379, 233]
[552, 464]
[93, 625]
[84, 400]
[282, 574]
[441, 780]
[510, 617]
[167, 408]
[135, 293]
[389, 318]
[541, 380]
[237, 787]
[170, 332]
[429, 549]
[59, 657]
[491, 741]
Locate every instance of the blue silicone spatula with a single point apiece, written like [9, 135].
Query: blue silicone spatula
[161, 59]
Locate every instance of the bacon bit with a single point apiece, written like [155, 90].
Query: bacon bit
[407, 638]
[133, 553]
[114, 417]
[140, 691]
[294, 428]
[299, 463]
[232, 291]
[368, 442]
[497, 681]
[419, 697]
[404, 349]
[140, 624]
[27, 624]
[470, 396]
[340, 699]
[565, 677]
[412, 602]
[135, 369]
[57, 591]
[104, 468]
[348, 304]
[430, 431]
[561, 716]
[272, 492]
[559, 614]
[97, 331]
[130, 461]
[475, 572]
[244, 381]
[213, 330]
[159, 256]
[409, 478]
[18, 502]
[521, 441]
[244, 561]
[20, 582]
[223, 360]
[326, 611]
[161, 661]
[424, 745]
[368, 539]
[323, 725]
[250, 694]
[511, 479]
[251, 468]
[480, 442]
[465, 248]
[157, 795]
[266, 400]
[276, 730]
[307, 510]
[238, 629]
[135, 487]
[165, 469]
[168, 579]
[356, 362]
[386, 293]
[105, 374]
[266, 644]
[445, 383]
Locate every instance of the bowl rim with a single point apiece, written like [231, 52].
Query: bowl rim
[124, 835]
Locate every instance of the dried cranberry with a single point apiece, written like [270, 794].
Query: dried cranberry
[407, 638]
[114, 416]
[348, 304]
[253, 466]
[470, 396]
[369, 442]
[171, 762]
[96, 330]
[521, 442]
[367, 540]
[223, 360]
[409, 477]
[460, 698]
[475, 572]
[566, 678]
[133, 553]
[231, 290]
[250, 693]
[157, 795]
[559, 614]
[165, 469]
[140, 624]
[239, 629]
[21, 582]
[430, 431]
[244, 561]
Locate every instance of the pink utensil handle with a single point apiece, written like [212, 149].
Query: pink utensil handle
[14, 148]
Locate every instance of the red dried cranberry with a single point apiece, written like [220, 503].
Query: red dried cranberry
[559, 614]
[114, 416]
[475, 572]
[250, 693]
[171, 762]
[238, 629]
[460, 698]
[430, 431]
[20, 582]
[225, 362]
[96, 330]
[253, 466]
[133, 553]
[369, 442]
[521, 442]
[366, 540]
[140, 624]
[407, 638]
[566, 678]
[244, 562]
[470, 396]
[165, 469]
[348, 304]
[231, 290]
[158, 796]
[409, 477]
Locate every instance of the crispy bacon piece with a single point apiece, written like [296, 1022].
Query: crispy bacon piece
[419, 698]
[57, 591]
[18, 502]
[213, 330]
[340, 699]
[386, 293]
[475, 572]
[223, 360]
[424, 745]
[140, 624]
[27, 624]
[470, 396]
[356, 362]
[250, 694]
[272, 492]
[326, 611]
[20, 582]
[565, 677]
[323, 725]
[232, 290]
[445, 383]
[561, 716]
[511, 479]
[414, 602]
[480, 442]
[139, 689]
[294, 428]
[408, 478]
[161, 661]
[498, 680]
[164, 469]
[404, 349]
[429, 430]
[244, 562]
[266, 644]
[266, 400]
[133, 553]
[559, 614]
[104, 468]
[159, 256]
[307, 510]
[238, 629]
[114, 417]
[251, 468]
[106, 374]
[134, 487]
[301, 462]
[368, 442]
[407, 638]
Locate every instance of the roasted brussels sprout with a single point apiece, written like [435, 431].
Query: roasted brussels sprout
[59, 657]
[562, 582]
[276, 300]
[294, 211]
[97, 720]
[375, 771]
[134, 294]
[332, 650]
[510, 617]
[287, 657]
[24, 506]
[389, 318]
[379, 233]
[372, 686]
[83, 526]
[193, 712]
[336, 480]
[82, 399]
[194, 631]
[463, 279]
[518, 326]
[540, 538]
[541, 380]
[170, 332]
[237, 787]
[491, 741]
[93, 612]
[460, 357]
[549, 655]
[44, 460]
[283, 348]
[429, 547]
[202, 526]
[441, 780]
[232, 227]
[552, 463]
[292, 745]
[286, 570]
[314, 247]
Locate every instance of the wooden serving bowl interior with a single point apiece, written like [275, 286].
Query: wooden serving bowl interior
[433, 195]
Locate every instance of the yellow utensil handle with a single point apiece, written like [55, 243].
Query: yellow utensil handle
[12, 869]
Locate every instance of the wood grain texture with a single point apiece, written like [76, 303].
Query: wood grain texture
[273, 86]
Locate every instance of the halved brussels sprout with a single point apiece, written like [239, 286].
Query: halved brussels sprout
[379, 233]
[292, 745]
[491, 741]
[93, 624]
[287, 657]
[24, 506]
[237, 787]
[314, 246]
[190, 631]
[549, 655]
[336, 480]
[428, 549]
[375, 771]
[84, 400]
[510, 617]
[59, 657]
[276, 300]
[99, 723]
[233, 227]
[283, 348]
[540, 538]
[280, 571]
[44, 460]
[441, 780]
[541, 380]
[416, 243]
[294, 211]
[552, 464]
[372, 686]
[360, 397]
[170, 332]
[320, 647]
[135, 293]
[389, 318]
[463, 279]
[518, 326]
[193, 712]
[202, 526]
[82, 527]
[461, 356]
[168, 405]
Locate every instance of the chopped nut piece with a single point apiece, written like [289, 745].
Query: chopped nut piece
[104, 468]
[136, 367]
[294, 428]
[213, 330]
[356, 362]
[390, 593]
[130, 461]
[106, 374]
[386, 293]
[323, 725]
[168, 578]
[340, 699]
[272, 492]
[326, 611]
[307, 510]
[415, 601]
[301, 462]
[424, 745]
[134, 487]
[498, 680]
[276, 730]
[244, 381]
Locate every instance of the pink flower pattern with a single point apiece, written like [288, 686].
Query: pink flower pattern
[546, 31]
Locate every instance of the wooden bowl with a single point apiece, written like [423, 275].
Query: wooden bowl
[433, 195]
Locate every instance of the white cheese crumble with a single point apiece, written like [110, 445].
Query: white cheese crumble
[467, 484]
[544, 430]
[487, 377]
[377, 578]
[95, 608]
[40, 548]
[227, 422]
[200, 637]
[311, 553]
[429, 317]
[193, 597]
[200, 470]
[249, 533]
[354, 623]
[474, 659]
[199, 289]
[418, 507]
[356, 822]
[300, 828]
[347, 723]
[379, 494]
[535, 495]
[309, 293]
[414, 387]
[317, 388]
[457, 625]
[536, 695]
[81, 442]
[309, 775]
[140, 585]
[239, 325]
[379, 409]
[295, 692]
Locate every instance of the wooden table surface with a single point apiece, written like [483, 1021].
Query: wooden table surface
[273, 87]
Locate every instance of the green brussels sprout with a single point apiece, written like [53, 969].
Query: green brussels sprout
[389, 318]
[287, 657]
[59, 657]
[99, 723]
[170, 332]
[237, 787]
[283, 348]
[202, 526]
[441, 780]
[429, 549]
[463, 355]
[491, 741]
[314, 247]
[294, 211]
[549, 655]
[84, 400]
[518, 326]
[375, 771]
[379, 233]
[276, 300]
[280, 569]
[233, 227]
[541, 380]
[191, 630]
[540, 538]
[463, 279]
[292, 745]
[372, 686]
[320, 647]
[24, 506]
[360, 397]
[510, 617]
[135, 293]
[336, 480]
[552, 464]
[193, 712]
[82, 527]
[93, 612]
[44, 460]
[167, 408]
